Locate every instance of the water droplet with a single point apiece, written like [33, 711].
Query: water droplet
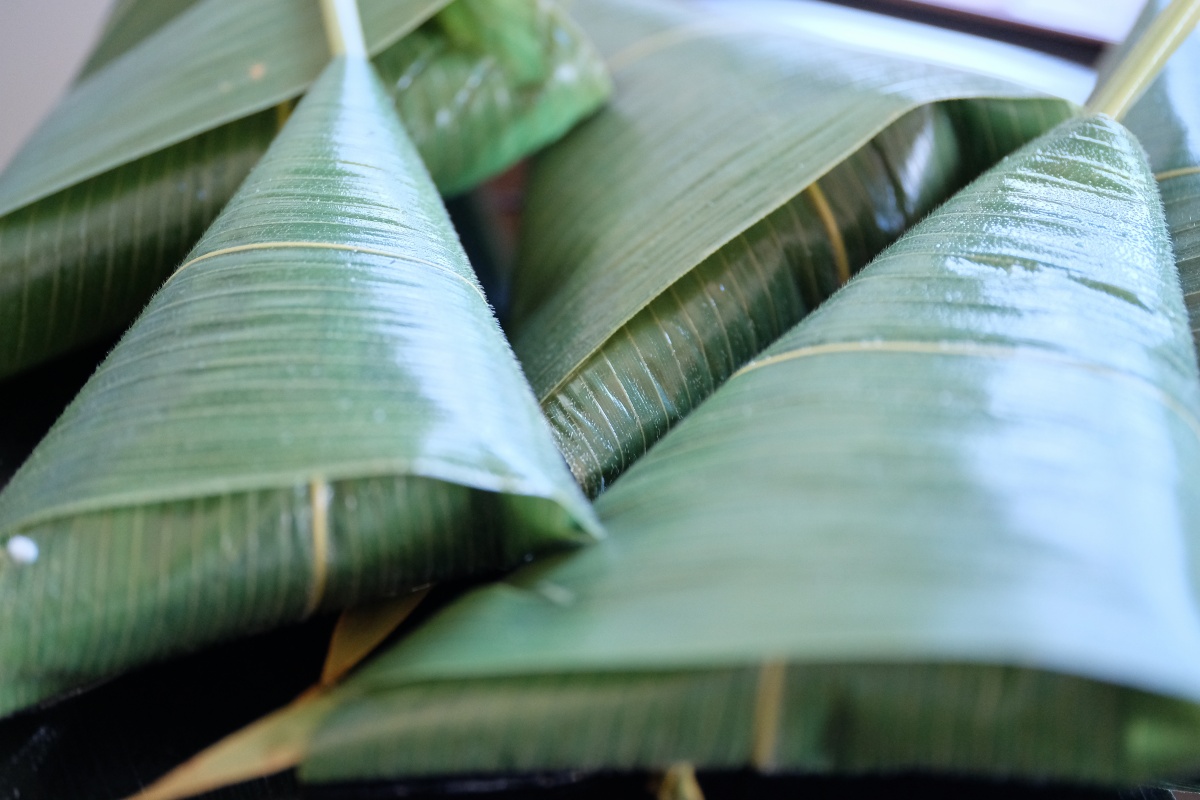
[22, 549]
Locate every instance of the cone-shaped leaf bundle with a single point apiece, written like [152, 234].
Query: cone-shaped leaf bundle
[739, 177]
[120, 182]
[945, 523]
[1167, 122]
[318, 407]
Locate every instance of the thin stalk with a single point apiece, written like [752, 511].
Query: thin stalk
[343, 28]
[1141, 64]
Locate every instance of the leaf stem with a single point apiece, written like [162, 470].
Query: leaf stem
[343, 28]
[1143, 61]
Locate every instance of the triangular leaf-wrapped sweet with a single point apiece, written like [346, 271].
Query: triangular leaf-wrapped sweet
[741, 174]
[945, 523]
[1167, 122]
[120, 182]
[318, 407]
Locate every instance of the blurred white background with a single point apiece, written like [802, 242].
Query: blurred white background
[42, 43]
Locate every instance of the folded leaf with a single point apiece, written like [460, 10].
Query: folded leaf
[741, 175]
[317, 408]
[1167, 122]
[945, 523]
[125, 205]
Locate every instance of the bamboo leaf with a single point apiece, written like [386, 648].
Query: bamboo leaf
[484, 102]
[945, 523]
[1167, 122]
[83, 262]
[316, 409]
[218, 61]
[361, 629]
[741, 174]
[129, 22]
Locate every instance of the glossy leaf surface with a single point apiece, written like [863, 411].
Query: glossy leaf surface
[946, 522]
[83, 262]
[740, 175]
[318, 407]
[661, 364]
[1167, 122]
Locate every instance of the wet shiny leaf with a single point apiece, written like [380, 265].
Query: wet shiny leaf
[317, 408]
[945, 523]
[125, 205]
[740, 175]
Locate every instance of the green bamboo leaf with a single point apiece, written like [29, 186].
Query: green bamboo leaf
[216, 62]
[82, 262]
[947, 523]
[741, 174]
[1167, 122]
[129, 22]
[317, 408]
[480, 106]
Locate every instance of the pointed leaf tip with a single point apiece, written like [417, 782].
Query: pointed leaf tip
[944, 483]
[286, 417]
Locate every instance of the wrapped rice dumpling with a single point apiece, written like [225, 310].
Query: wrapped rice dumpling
[317, 408]
[740, 175]
[946, 523]
[120, 182]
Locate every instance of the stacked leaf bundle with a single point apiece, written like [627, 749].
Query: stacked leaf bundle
[318, 408]
[180, 101]
[945, 523]
[739, 176]
[942, 524]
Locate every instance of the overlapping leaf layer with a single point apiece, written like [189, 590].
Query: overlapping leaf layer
[740, 176]
[82, 262]
[318, 407]
[946, 522]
